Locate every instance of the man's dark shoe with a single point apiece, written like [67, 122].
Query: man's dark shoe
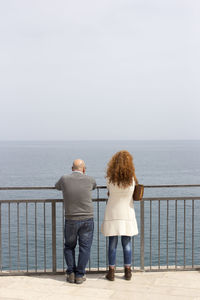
[111, 274]
[70, 278]
[127, 273]
[80, 280]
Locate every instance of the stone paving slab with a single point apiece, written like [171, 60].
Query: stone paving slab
[155, 286]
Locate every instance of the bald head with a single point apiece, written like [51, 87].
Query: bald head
[78, 165]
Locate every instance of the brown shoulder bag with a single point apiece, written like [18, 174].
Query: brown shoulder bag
[138, 192]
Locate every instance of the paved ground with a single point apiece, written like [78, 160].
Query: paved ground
[156, 285]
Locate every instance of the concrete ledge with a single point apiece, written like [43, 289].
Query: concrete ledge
[146, 285]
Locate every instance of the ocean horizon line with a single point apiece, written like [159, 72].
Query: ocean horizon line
[102, 140]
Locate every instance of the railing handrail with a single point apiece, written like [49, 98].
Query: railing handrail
[98, 187]
[98, 199]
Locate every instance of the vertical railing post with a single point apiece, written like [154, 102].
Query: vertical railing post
[98, 227]
[53, 214]
[0, 242]
[142, 235]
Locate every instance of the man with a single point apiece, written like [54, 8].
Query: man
[79, 223]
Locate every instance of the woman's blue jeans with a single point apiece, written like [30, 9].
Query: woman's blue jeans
[127, 249]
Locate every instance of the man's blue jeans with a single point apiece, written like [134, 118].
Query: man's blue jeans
[127, 250]
[83, 232]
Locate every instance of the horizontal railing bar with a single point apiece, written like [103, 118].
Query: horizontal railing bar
[44, 200]
[40, 273]
[97, 200]
[161, 186]
[98, 187]
[27, 188]
[31, 200]
[171, 198]
[103, 271]
[171, 185]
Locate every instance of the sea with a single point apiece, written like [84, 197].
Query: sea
[42, 163]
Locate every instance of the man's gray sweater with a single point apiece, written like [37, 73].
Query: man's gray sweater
[76, 189]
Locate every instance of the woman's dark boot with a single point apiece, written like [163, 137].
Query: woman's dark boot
[111, 274]
[127, 273]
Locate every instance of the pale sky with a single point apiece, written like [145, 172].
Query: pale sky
[106, 69]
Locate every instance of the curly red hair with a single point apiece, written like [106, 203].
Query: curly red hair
[121, 170]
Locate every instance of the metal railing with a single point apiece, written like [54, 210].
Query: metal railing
[32, 234]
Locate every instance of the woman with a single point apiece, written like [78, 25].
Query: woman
[119, 218]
